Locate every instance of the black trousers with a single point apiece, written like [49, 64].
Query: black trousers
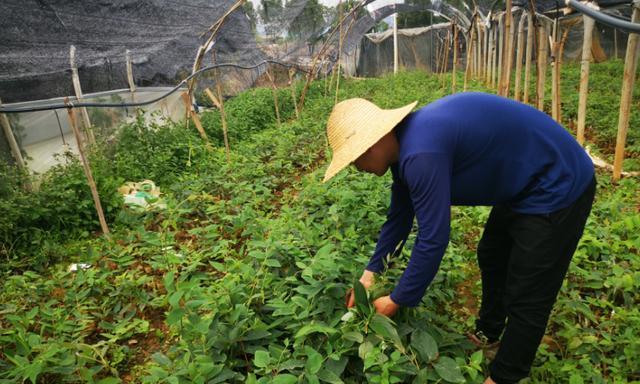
[523, 260]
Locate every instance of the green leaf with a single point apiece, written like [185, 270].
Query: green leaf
[261, 359]
[383, 326]
[329, 377]
[314, 360]
[362, 300]
[174, 299]
[109, 380]
[353, 336]
[285, 378]
[424, 344]
[448, 369]
[576, 379]
[175, 316]
[314, 328]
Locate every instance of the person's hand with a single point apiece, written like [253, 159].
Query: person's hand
[489, 380]
[385, 306]
[366, 280]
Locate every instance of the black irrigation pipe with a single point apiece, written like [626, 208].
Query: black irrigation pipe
[4, 109]
[604, 18]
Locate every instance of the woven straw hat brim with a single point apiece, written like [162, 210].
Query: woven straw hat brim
[378, 123]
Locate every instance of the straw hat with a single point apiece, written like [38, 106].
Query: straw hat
[354, 126]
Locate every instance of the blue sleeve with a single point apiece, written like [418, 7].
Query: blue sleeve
[396, 229]
[428, 177]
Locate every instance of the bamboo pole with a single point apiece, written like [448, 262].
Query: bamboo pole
[506, 64]
[75, 78]
[528, 57]
[557, 65]
[219, 103]
[11, 139]
[194, 116]
[455, 59]
[293, 92]
[588, 24]
[519, 55]
[87, 169]
[553, 43]
[132, 84]
[501, 41]
[476, 51]
[489, 74]
[469, 55]
[223, 115]
[395, 43]
[485, 56]
[213, 30]
[274, 92]
[542, 65]
[510, 57]
[630, 65]
[445, 59]
[494, 57]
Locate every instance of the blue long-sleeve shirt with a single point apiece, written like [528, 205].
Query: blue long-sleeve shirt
[472, 149]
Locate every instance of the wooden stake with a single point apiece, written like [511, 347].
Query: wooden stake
[494, 58]
[588, 24]
[223, 115]
[87, 170]
[470, 43]
[506, 75]
[528, 56]
[455, 59]
[630, 65]
[542, 64]
[559, 50]
[274, 92]
[509, 53]
[293, 92]
[553, 43]
[132, 84]
[78, 90]
[194, 116]
[501, 42]
[490, 50]
[11, 139]
[519, 55]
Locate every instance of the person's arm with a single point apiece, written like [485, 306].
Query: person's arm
[428, 177]
[396, 228]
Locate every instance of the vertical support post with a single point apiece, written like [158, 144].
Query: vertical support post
[588, 24]
[11, 139]
[528, 57]
[630, 65]
[87, 170]
[494, 57]
[555, 74]
[395, 43]
[339, 63]
[506, 64]
[274, 92]
[510, 55]
[293, 92]
[196, 120]
[542, 64]
[455, 59]
[489, 66]
[132, 84]
[501, 43]
[519, 55]
[78, 90]
[615, 43]
[470, 45]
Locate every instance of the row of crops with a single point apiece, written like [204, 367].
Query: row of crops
[242, 277]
